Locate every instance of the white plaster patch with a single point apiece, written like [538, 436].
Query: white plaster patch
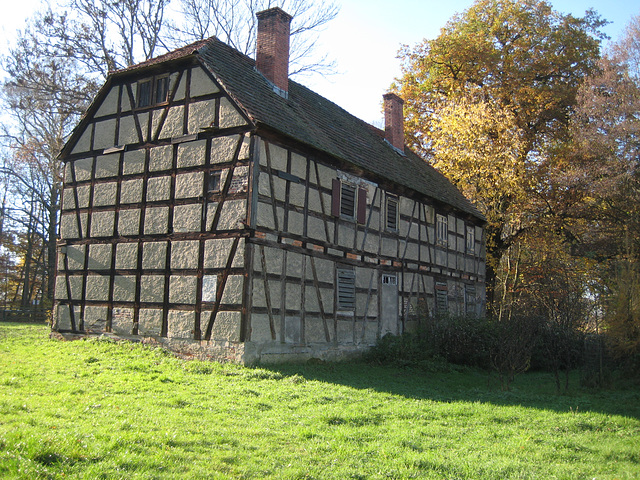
[131, 191]
[154, 255]
[149, 321]
[189, 185]
[201, 115]
[124, 288]
[160, 158]
[104, 136]
[107, 165]
[156, 220]
[191, 154]
[184, 254]
[180, 324]
[172, 126]
[97, 288]
[127, 256]
[83, 168]
[152, 288]
[223, 148]
[99, 257]
[129, 222]
[209, 288]
[104, 194]
[133, 162]
[182, 289]
[229, 116]
[102, 224]
[187, 218]
[201, 83]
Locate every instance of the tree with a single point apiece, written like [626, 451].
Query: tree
[604, 179]
[488, 101]
[234, 22]
[45, 94]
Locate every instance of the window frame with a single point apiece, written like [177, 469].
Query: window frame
[392, 200]
[470, 239]
[441, 297]
[359, 203]
[442, 230]
[151, 96]
[345, 289]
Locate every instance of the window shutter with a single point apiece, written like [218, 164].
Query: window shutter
[335, 198]
[362, 205]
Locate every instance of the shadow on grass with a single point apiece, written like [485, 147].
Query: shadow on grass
[535, 390]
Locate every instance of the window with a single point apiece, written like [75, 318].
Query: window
[392, 213]
[214, 182]
[346, 289]
[152, 91]
[389, 279]
[162, 89]
[471, 240]
[144, 94]
[349, 201]
[470, 300]
[442, 230]
[442, 301]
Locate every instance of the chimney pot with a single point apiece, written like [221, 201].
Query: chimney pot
[394, 120]
[272, 49]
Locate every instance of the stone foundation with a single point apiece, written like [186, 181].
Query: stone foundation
[244, 353]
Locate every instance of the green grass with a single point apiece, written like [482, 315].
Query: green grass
[97, 409]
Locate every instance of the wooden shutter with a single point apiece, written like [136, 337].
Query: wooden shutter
[362, 205]
[335, 197]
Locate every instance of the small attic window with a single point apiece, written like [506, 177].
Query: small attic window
[144, 93]
[162, 89]
[152, 91]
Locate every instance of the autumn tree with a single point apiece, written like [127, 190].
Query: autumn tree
[488, 101]
[603, 178]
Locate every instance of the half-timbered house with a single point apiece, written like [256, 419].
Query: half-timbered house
[215, 206]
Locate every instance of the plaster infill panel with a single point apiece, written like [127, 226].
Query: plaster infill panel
[216, 253]
[107, 166]
[99, 257]
[129, 222]
[226, 326]
[104, 194]
[74, 257]
[152, 289]
[126, 256]
[184, 254]
[191, 154]
[133, 162]
[187, 218]
[201, 83]
[154, 255]
[189, 185]
[149, 322]
[160, 158]
[156, 220]
[102, 223]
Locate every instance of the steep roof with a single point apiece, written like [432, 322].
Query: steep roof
[315, 121]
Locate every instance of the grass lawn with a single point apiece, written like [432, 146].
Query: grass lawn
[97, 409]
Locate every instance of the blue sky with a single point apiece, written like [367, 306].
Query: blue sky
[365, 37]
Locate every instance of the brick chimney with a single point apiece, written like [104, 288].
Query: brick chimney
[272, 50]
[394, 120]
